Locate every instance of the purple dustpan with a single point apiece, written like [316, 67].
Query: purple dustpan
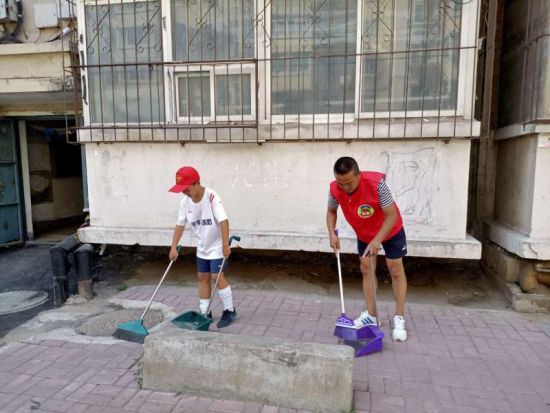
[364, 340]
[371, 341]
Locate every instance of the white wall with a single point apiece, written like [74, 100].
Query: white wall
[67, 201]
[516, 161]
[278, 188]
[541, 201]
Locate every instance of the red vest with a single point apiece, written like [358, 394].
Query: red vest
[362, 208]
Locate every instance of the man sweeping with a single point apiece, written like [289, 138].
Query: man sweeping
[369, 208]
[202, 209]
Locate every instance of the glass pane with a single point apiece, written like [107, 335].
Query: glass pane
[193, 89]
[212, 29]
[313, 46]
[403, 66]
[124, 34]
[233, 95]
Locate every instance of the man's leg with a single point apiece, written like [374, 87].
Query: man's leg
[368, 286]
[398, 283]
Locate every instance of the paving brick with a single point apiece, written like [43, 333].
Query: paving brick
[252, 407]
[227, 406]
[107, 376]
[5, 398]
[54, 405]
[78, 408]
[270, 409]
[362, 400]
[23, 403]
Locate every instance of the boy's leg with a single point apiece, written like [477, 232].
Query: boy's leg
[224, 291]
[203, 271]
[204, 290]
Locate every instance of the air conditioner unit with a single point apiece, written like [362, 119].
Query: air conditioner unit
[8, 11]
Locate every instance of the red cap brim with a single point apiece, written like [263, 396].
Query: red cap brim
[179, 188]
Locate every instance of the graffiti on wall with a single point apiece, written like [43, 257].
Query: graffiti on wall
[410, 176]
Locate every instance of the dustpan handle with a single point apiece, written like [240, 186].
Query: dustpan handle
[372, 264]
[337, 253]
[233, 237]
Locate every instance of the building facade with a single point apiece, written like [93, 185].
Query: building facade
[262, 96]
[41, 185]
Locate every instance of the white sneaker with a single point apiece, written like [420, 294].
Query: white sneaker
[364, 320]
[399, 333]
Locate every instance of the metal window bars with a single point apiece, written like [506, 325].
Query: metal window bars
[274, 70]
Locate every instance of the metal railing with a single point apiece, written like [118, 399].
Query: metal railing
[275, 70]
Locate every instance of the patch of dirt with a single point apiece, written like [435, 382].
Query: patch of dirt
[106, 324]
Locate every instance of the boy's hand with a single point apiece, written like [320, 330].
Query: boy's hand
[335, 242]
[226, 250]
[173, 255]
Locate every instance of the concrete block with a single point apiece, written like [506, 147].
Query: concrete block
[310, 376]
[501, 262]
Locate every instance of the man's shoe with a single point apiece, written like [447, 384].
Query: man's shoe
[365, 320]
[227, 318]
[399, 333]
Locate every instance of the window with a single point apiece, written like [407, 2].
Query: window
[225, 90]
[214, 34]
[313, 61]
[122, 40]
[409, 57]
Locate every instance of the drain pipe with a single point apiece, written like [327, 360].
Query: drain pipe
[59, 255]
[83, 261]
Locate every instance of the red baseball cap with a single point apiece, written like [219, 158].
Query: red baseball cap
[185, 176]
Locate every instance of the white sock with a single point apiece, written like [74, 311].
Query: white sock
[227, 298]
[203, 304]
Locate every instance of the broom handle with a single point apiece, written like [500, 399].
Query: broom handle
[340, 281]
[156, 290]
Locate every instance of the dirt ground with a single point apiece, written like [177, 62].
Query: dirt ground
[431, 281]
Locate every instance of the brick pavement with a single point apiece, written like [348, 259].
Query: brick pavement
[455, 360]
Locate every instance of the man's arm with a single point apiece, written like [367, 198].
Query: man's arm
[224, 226]
[178, 232]
[332, 216]
[390, 213]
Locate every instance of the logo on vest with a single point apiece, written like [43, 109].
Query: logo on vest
[365, 211]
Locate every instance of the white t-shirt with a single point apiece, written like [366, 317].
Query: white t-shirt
[204, 218]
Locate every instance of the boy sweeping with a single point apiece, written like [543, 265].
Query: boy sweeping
[202, 208]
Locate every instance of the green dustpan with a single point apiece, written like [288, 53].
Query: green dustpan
[192, 320]
[132, 331]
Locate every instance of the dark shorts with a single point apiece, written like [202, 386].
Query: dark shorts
[395, 247]
[210, 265]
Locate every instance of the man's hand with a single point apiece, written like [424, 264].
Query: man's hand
[373, 247]
[173, 255]
[226, 250]
[335, 242]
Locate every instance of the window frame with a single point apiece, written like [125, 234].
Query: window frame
[261, 72]
[180, 70]
[465, 86]
[84, 75]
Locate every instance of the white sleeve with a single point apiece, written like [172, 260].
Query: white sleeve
[182, 215]
[217, 207]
